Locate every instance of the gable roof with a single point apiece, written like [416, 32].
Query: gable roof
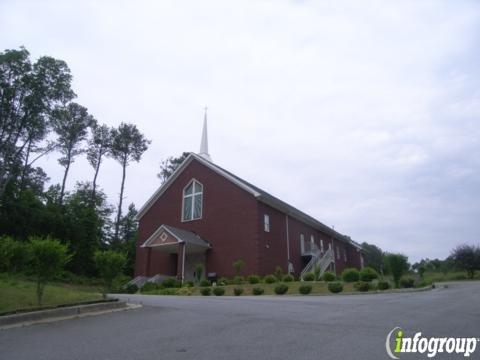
[185, 236]
[258, 193]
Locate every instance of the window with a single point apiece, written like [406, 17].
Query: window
[302, 243]
[266, 223]
[312, 239]
[192, 201]
[321, 245]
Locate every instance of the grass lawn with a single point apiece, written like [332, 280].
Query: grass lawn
[20, 293]
[318, 287]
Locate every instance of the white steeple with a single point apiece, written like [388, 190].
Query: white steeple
[204, 144]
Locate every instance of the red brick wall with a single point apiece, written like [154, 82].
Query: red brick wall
[229, 223]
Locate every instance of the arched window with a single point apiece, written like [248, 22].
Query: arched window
[192, 201]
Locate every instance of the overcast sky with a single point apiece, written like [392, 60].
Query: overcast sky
[365, 115]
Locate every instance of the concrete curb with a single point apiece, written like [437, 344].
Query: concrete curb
[78, 311]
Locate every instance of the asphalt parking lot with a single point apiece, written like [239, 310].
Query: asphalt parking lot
[294, 327]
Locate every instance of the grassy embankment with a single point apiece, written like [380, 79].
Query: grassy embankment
[17, 292]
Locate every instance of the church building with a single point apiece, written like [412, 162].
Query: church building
[203, 214]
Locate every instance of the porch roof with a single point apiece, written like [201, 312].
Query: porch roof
[182, 236]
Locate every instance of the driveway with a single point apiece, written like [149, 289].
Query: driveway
[293, 327]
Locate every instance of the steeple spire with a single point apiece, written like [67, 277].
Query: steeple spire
[204, 144]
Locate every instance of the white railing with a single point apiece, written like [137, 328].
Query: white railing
[318, 260]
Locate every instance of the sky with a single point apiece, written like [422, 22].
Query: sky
[365, 115]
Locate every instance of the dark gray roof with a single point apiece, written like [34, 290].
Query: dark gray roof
[288, 209]
[187, 236]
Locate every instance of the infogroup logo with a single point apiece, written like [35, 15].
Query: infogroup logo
[429, 346]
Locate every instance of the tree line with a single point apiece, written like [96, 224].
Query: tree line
[38, 116]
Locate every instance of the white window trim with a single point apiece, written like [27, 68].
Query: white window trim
[266, 223]
[193, 200]
[302, 243]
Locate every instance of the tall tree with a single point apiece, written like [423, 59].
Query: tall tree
[98, 147]
[373, 257]
[28, 93]
[128, 144]
[168, 166]
[467, 258]
[128, 237]
[71, 123]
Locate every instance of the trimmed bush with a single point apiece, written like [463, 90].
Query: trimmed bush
[309, 276]
[335, 287]
[407, 282]
[171, 291]
[281, 289]
[185, 291]
[238, 280]
[238, 291]
[279, 273]
[305, 289]
[206, 291]
[368, 274]
[270, 279]
[257, 291]
[149, 286]
[222, 281]
[350, 275]
[288, 278]
[171, 283]
[362, 286]
[205, 282]
[383, 285]
[253, 279]
[218, 291]
[130, 289]
[329, 276]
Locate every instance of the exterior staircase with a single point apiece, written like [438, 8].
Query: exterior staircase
[323, 260]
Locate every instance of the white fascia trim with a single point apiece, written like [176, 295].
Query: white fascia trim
[179, 170]
[151, 237]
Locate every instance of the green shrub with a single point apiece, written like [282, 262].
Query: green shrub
[288, 278]
[238, 280]
[185, 291]
[110, 265]
[130, 289]
[222, 281]
[237, 291]
[188, 284]
[257, 291]
[305, 289]
[383, 285]
[171, 283]
[172, 291]
[458, 277]
[218, 291]
[205, 282]
[14, 255]
[279, 273]
[309, 276]
[407, 282]
[150, 286]
[281, 289]
[253, 279]
[362, 286]
[335, 287]
[350, 275]
[238, 266]
[270, 279]
[368, 274]
[329, 276]
[205, 291]
[199, 268]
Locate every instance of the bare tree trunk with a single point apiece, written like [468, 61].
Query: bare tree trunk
[62, 192]
[94, 184]
[25, 167]
[119, 212]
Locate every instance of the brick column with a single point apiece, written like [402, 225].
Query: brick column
[180, 261]
[147, 263]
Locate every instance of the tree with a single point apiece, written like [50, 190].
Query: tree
[168, 166]
[128, 232]
[13, 254]
[238, 266]
[28, 93]
[373, 257]
[110, 265]
[467, 258]
[397, 265]
[128, 144]
[71, 124]
[48, 260]
[98, 147]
